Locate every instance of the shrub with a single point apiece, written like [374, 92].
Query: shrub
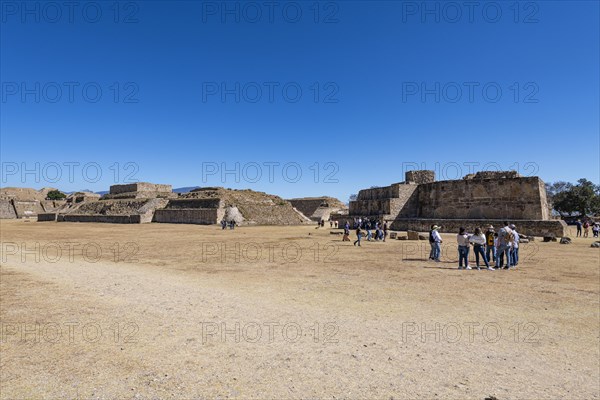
[56, 195]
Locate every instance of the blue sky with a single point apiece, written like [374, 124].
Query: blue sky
[174, 92]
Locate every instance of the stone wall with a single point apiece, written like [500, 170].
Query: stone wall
[7, 210]
[194, 203]
[419, 177]
[406, 204]
[27, 208]
[371, 207]
[520, 198]
[110, 219]
[206, 216]
[140, 187]
[379, 193]
[393, 200]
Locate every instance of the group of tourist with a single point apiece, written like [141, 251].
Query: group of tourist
[498, 246]
[375, 230]
[585, 227]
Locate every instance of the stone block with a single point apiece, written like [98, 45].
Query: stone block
[413, 235]
[45, 217]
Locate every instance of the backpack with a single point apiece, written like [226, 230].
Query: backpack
[490, 238]
[431, 239]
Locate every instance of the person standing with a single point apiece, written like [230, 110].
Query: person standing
[463, 248]
[479, 242]
[515, 246]
[579, 225]
[586, 228]
[385, 230]
[435, 241]
[505, 238]
[490, 244]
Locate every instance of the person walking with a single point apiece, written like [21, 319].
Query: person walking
[463, 248]
[586, 228]
[579, 225]
[595, 229]
[490, 244]
[346, 237]
[479, 242]
[435, 241]
[358, 236]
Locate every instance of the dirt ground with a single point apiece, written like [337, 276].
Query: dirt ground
[184, 311]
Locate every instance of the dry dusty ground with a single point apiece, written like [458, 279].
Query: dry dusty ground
[166, 317]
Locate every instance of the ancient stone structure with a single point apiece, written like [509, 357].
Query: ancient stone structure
[477, 200]
[147, 202]
[318, 208]
[140, 190]
[7, 210]
[131, 204]
[191, 211]
[209, 205]
[26, 202]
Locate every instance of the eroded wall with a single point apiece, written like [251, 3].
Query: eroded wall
[516, 198]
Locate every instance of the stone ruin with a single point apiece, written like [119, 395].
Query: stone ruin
[146, 202]
[129, 203]
[26, 203]
[478, 200]
[210, 205]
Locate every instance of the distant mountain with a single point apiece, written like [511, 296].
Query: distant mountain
[102, 192]
[82, 190]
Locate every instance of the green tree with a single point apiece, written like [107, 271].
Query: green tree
[583, 198]
[55, 195]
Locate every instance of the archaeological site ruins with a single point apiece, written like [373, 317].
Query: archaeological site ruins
[479, 199]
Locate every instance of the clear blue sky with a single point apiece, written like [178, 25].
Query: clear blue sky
[384, 85]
